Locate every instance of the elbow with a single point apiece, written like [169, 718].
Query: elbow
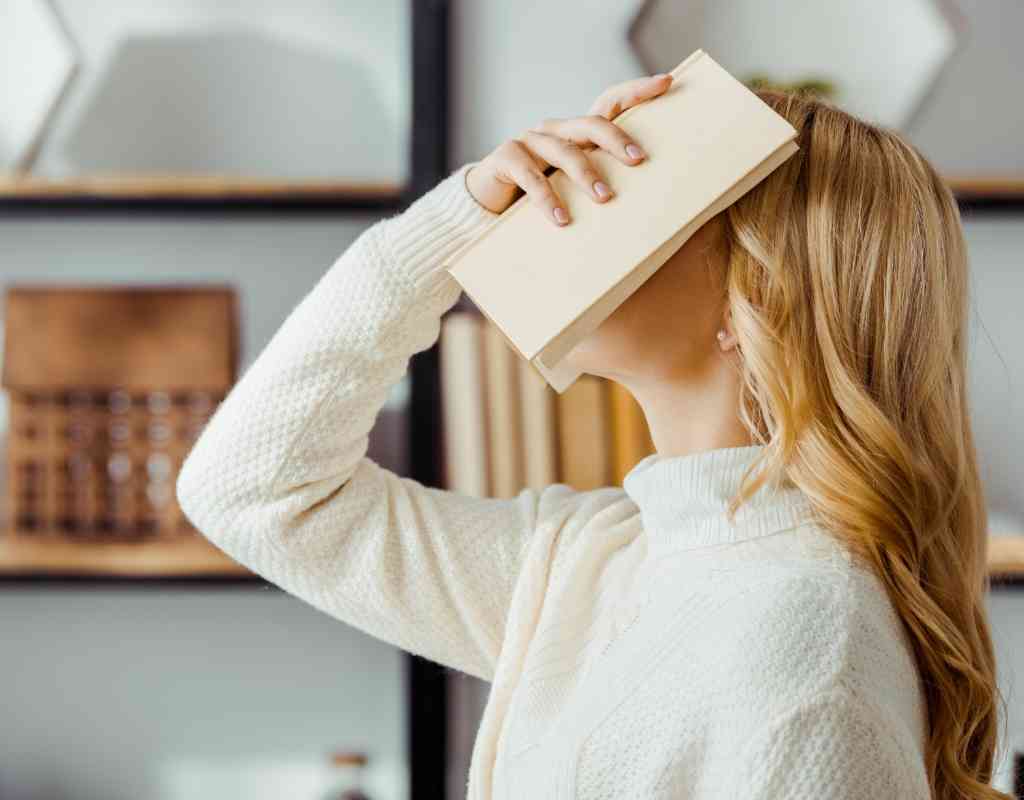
[207, 497]
[193, 491]
[225, 496]
[237, 492]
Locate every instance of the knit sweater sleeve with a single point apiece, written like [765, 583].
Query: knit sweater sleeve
[279, 478]
[835, 745]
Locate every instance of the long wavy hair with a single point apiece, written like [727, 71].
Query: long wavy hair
[847, 284]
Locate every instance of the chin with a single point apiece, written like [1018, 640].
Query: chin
[595, 356]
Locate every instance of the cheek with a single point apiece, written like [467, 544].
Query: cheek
[650, 328]
[669, 323]
[612, 344]
[668, 307]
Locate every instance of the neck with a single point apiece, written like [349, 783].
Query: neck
[683, 490]
[687, 416]
[683, 500]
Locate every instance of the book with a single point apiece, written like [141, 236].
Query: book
[631, 437]
[501, 391]
[464, 423]
[709, 139]
[584, 433]
[539, 428]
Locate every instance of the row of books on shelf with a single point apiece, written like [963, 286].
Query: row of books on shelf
[506, 429]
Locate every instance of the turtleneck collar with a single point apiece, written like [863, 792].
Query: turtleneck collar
[683, 500]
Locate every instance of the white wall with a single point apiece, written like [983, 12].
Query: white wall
[996, 244]
[107, 692]
[997, 383]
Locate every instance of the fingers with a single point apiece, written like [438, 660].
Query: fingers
[594, 130]
[617, 98]
[568, 156]
[528, 174]
[563, 143]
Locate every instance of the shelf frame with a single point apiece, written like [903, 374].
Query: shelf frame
[985, 194]
[223, 196]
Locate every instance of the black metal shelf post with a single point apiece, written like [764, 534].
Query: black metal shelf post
[427, 682]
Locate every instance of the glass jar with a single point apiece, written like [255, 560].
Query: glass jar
[346, 776]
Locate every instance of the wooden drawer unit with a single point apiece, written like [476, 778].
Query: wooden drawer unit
[108, 388]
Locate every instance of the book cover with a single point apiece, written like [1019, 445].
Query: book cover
[708, 138]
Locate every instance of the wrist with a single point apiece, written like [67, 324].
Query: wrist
[423, 239]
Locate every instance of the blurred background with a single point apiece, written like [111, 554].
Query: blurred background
[175, 175]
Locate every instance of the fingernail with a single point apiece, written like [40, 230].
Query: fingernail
[633, 151]
[561, 216]
[601, 190]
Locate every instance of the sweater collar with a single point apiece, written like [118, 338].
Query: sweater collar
[683, 500]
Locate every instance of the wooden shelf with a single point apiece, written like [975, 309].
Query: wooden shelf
[1006, 557]
[985, 193]
[161, 192]
[978, 191]
[975, 187]
[182, 186]
[187, 557]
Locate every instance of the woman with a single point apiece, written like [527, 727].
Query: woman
[786, 600]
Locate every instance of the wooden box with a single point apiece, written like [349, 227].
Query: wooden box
[108, 388]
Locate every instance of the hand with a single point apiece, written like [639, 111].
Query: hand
[518, 164]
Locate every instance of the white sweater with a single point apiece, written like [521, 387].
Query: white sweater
[639, 646]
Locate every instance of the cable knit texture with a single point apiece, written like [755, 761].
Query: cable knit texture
[639, 644]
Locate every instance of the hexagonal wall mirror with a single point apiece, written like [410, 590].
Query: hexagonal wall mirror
[37, 64]
[205, 98]
[851, 50]
[938, 71]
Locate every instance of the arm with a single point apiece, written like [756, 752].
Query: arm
[280, 481]
[835, 745]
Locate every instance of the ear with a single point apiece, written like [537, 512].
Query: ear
[726, 336]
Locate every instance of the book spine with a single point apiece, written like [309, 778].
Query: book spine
[539, 428]
[584, 434]
[631, 438]
[506, 429]
[463, 418]
[504, 438]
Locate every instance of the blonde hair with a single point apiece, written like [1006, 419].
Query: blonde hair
[847, 286]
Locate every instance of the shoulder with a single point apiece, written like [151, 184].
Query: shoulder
[830, 745]
[816, 588]
[578, 519]
[815, 624]
[575, 525]
[562, 505]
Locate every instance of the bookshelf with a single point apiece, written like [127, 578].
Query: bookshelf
[217, 198]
